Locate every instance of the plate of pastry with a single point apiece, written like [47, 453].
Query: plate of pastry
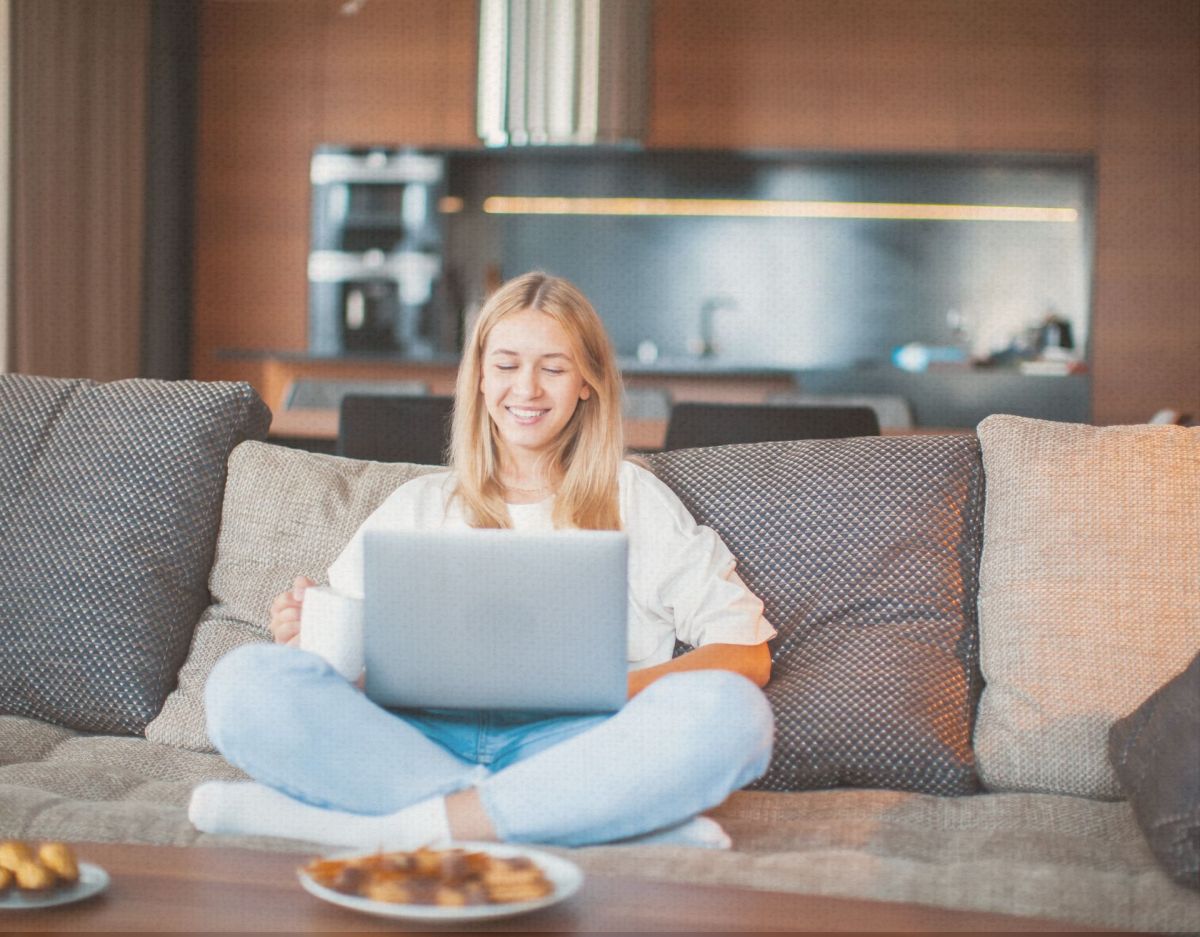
[461, 882]
[45, 875]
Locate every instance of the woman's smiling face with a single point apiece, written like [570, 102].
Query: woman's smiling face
[531, 383]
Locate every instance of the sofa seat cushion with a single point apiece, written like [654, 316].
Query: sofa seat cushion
[1037, 855]
[864, 552]
[56, 783]
[110, 498]
[1034, 854]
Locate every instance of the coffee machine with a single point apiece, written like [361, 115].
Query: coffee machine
[376, 250]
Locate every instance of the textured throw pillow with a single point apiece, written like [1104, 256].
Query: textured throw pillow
[864, 552]
[1155, 751]
[287, 513]
[1089, 597]
[110, 498]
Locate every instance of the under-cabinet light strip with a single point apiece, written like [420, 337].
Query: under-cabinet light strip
[761, 208]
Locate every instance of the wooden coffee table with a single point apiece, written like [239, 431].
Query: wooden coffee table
[165, 888]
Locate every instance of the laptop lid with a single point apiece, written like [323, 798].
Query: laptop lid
[496, 619]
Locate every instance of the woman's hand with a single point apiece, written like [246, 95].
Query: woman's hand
[285, 612]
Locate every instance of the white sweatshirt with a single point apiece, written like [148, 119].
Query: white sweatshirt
[682, 579]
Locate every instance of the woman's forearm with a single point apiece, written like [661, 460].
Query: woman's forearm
[752, 661]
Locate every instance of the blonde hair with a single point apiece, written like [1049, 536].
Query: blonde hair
[587, 455]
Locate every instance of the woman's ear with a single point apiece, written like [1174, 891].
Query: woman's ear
[585, 392]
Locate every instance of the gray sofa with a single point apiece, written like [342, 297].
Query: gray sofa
[962, 620]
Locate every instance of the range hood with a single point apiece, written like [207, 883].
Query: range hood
[563, 72]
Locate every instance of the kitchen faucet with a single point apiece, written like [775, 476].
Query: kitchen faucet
[706, 347]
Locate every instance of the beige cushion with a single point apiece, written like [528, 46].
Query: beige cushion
[1089, 592]
[286, 513]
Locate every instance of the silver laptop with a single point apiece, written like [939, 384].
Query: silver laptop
[496, 619]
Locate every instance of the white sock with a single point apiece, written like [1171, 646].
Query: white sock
[253, 809]
[703, 832]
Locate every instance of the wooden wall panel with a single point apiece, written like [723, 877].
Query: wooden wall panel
[873, 74]
[461, 51]
[398, 71]
[258, 123]
[1146, 329]
[78, 183]
[5, 184]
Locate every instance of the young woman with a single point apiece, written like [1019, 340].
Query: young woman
[536, 444]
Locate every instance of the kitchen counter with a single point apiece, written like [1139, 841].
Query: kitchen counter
[272, 374]
[681, 365]
[951, 398]
[702, 366]
[961, 396]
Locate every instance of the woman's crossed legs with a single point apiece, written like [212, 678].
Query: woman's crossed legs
[288, 720]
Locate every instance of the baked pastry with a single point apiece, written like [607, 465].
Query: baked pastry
[13, 853]
[60, 860]
[443, 877]
[33, 876]
[51, 865]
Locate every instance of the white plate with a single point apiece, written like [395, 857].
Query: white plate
[92, 881]
[566, 877]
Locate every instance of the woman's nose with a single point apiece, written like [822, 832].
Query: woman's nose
[527, 382]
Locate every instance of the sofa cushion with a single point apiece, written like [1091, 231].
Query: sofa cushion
[1037, 855]
[1088, 598]
[286, 513]
[109, 505]
[1155, 751]
[864, 552]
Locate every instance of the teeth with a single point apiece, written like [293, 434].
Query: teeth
[525, 414]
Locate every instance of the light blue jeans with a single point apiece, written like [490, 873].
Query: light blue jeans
[679, 747]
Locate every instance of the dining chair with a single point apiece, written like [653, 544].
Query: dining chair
[327, 393]
[398, 428]
[646, 403]
[718, 424]
[892, 410]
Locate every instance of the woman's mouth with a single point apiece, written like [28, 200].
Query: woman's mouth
[525, 415]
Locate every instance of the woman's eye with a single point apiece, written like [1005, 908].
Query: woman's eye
[506, 367]
[553, 370]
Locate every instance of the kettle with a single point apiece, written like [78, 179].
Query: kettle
[1055, 333]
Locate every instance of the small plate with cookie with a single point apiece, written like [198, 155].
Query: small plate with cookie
[45, 875]
[461, 882]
